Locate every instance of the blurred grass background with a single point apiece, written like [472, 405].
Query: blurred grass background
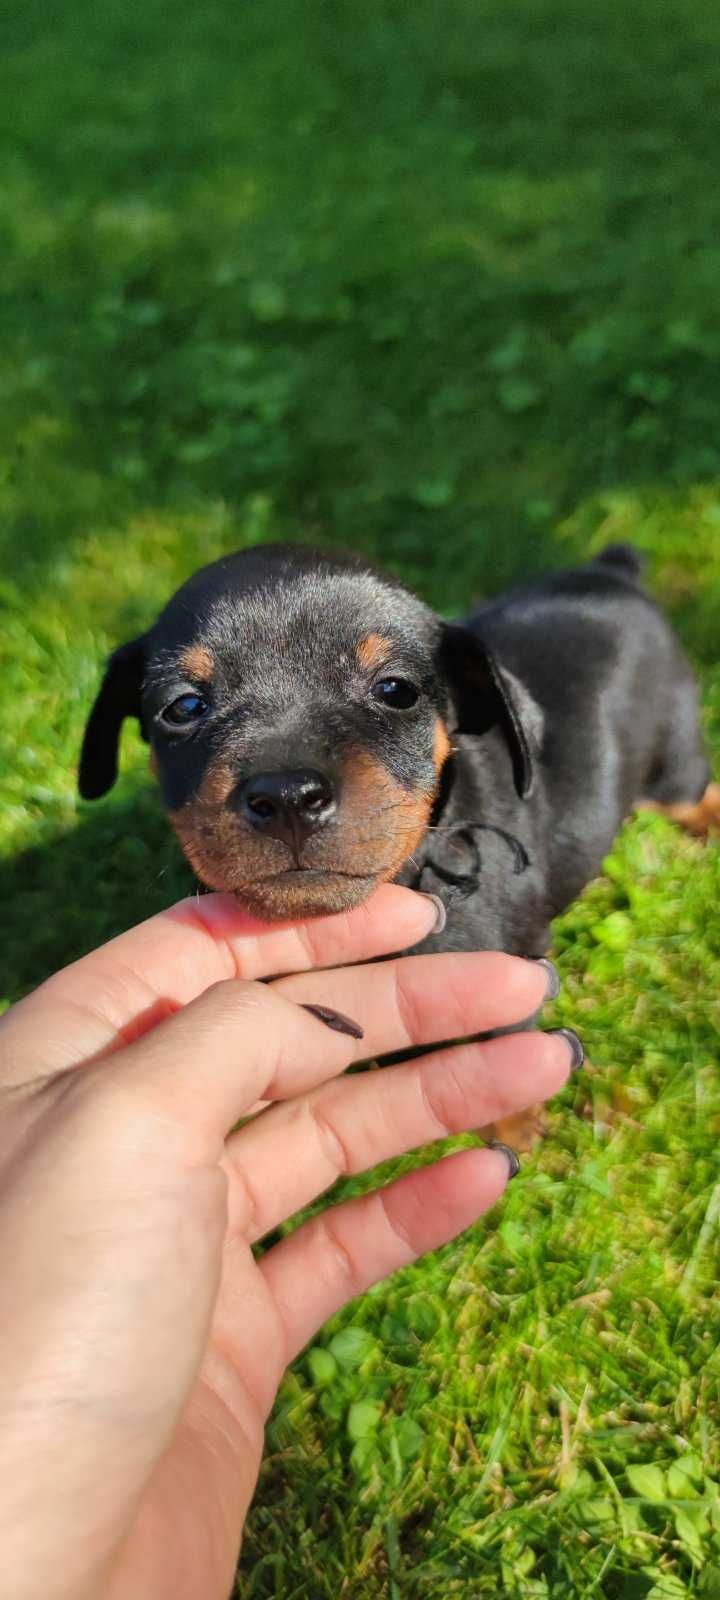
[440, 284]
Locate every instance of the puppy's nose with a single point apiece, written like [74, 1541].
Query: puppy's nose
[287, 805]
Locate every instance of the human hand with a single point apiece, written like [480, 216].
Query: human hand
[141, 1343]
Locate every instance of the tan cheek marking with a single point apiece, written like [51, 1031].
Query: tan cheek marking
[153, 763]
[217, 784]
[371, 652]
[197, 662]
[380, 825]
[399, 817]
[208, 833]
[442, 746]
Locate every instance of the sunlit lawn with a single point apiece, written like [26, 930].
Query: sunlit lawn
[439, 283]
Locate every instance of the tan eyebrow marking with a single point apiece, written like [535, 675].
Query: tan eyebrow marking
[197, 662]
[372, 651]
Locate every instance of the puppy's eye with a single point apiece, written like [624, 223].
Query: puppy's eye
[399, 694]
[188, 708]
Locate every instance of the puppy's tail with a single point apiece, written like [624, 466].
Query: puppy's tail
[624, 558]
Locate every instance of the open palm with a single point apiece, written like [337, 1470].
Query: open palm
[146, 1342]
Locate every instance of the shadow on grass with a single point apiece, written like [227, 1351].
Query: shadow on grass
[117, 866]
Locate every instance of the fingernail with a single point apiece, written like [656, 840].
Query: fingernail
[336, 1020]
[513, 1160]
[440, 912]
[575, 1044]
[553, 978]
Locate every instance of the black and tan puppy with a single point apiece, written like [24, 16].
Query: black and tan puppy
[316, 729]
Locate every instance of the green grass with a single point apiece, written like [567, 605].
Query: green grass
[438, 283]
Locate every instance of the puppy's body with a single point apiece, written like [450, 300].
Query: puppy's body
[618, 724]
[317, 729]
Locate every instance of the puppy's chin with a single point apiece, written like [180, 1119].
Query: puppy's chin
[304, 894]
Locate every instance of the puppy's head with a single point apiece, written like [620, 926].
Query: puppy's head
[300, 710]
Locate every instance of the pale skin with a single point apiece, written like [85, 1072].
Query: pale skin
[141, 1342]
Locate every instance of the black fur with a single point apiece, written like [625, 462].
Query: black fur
[566, 701]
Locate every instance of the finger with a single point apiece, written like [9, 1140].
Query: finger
[423, 999]
[243, 1042]
[416, 1001]
[338, 1255]
[208, 1065]
[349, 1125]
[121, 991]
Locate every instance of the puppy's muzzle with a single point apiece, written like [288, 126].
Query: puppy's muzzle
[287, 805]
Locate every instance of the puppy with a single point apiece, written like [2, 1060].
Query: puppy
[316, 730]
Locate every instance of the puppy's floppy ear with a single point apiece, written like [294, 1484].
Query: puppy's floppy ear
[119, 697]
[486, 695]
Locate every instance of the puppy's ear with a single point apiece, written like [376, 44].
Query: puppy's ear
[119, 697]
[486, 695]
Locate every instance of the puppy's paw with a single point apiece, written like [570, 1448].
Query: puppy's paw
[702, 818]
[521, 1132]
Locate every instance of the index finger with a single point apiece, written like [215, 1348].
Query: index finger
[117, 993]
